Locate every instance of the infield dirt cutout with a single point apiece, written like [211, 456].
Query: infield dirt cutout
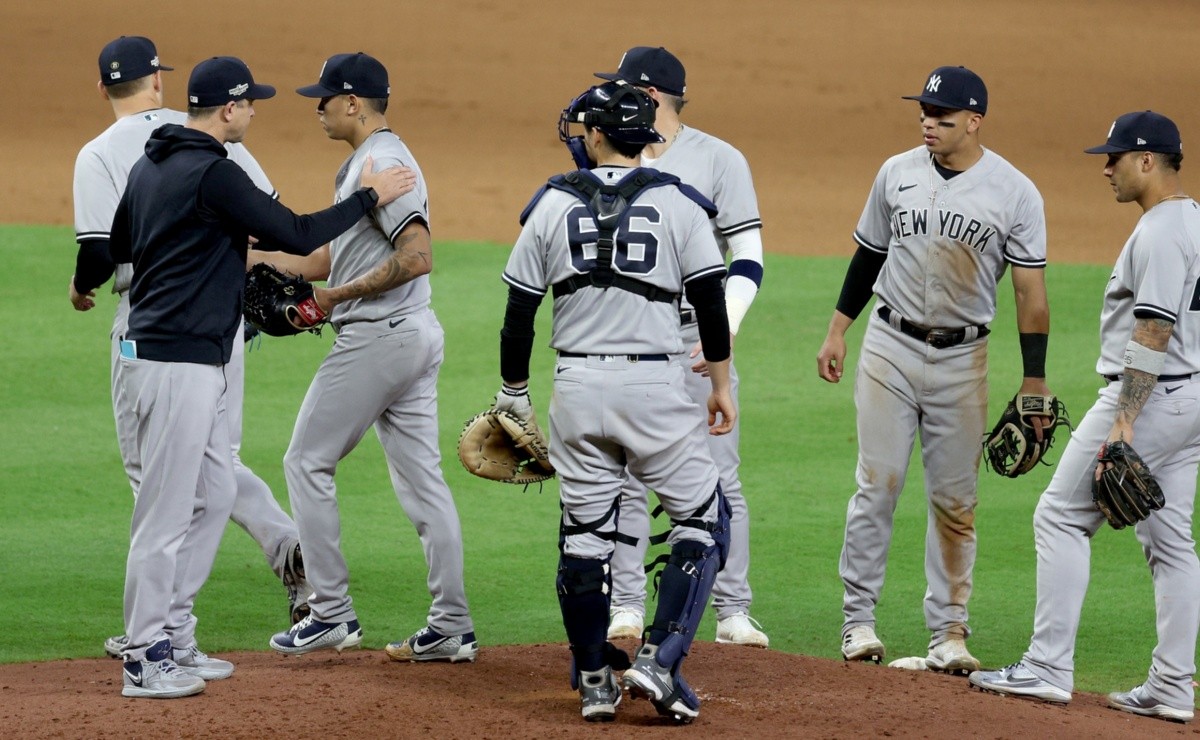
[809, 91]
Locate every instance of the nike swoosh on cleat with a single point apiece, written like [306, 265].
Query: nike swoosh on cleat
[301, 642]
[1172, 390]
[906, 187]
[135, 679]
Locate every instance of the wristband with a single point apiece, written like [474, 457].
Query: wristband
[1033, 354]
[1145, 359]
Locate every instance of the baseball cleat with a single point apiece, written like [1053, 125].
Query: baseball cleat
[625, 623]
[296, 584]
[193, 661]
[860, 643]
[741, 629]
[114, 645]
[600, 695]
[309, 634]
[646, 679]
[1138, 701]
[428, 644]
[156, 676]
[1017, 680]
[951, 656]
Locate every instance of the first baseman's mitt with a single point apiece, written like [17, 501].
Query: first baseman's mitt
[1126, 493]
[501, 446]
[279, 304]
[1013, 448]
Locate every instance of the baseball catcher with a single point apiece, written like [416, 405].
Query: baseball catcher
[279, 304]
[1013, 447]
[1124, 489]
[505, 443]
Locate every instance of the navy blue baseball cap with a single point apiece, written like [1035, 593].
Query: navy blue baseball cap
[350, 74]
[129, 58]
[954, 88]
[1141, 131]
[648, 66]
[219, 80]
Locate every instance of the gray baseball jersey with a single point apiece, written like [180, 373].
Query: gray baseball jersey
[720, 173]
[948, 242]
[1158, 272]
[369, 242]
[664, 250]
[102, 169]
[382, 371]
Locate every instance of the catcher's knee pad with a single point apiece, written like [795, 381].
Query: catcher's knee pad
[683, 592]
[584, 590]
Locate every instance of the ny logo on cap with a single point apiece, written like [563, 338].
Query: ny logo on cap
[935, 81]
[154, 62]
[239, 89]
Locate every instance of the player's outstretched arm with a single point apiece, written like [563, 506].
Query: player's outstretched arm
[312, 267]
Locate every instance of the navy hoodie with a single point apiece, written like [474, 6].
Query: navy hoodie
[184, 223]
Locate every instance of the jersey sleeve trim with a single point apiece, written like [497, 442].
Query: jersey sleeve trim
[403, 224]
[714, 270]
[1023, 262]
[868, 245]
[1150, 311]
[84, 236]
[538, 291]
[755, 223]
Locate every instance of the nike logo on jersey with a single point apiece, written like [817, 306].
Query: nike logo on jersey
[1172, 390]
[906, 187]
[397, 322]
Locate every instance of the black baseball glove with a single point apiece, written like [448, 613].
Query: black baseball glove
[1012, 448]
[279, 304]
[1126, 493]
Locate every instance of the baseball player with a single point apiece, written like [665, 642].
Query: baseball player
[381, 372]
[942, 223]
[720, 173]
[183, 222]
[615, 246]
[131, 80]
[1150, 359]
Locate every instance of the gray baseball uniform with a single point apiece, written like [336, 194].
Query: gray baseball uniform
[721, 174]
[948, 242]
[1157, 273]
[382, 371]
[101, 172]
[609, 409]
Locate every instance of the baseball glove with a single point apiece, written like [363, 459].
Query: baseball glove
[1012, 448]
[501, 446]
[279, 304]
[1126, 493]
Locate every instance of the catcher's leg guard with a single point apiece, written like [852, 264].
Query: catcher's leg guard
[583, 597]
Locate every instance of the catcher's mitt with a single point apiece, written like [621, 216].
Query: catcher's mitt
[1126, 493]
[279, 304]
[1012, 448]
[501, 446]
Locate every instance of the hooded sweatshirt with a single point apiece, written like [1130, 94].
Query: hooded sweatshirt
[184, 223]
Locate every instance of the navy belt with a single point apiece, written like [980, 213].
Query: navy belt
[631, 358]
[686, 317]
[1161, 378]
[936, 338]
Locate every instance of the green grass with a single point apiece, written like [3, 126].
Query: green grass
[64, 503]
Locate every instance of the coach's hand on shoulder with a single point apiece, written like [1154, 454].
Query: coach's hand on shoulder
[81, 301]
[389, 184]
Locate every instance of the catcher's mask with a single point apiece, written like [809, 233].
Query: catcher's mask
[622, 111]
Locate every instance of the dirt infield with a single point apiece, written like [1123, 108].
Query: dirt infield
[808, 90]
[522, 692]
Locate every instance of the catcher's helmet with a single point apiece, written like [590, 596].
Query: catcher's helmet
[620, 110]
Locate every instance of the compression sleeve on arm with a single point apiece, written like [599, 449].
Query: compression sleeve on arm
[93, 265]
[229, 192]
[707, 296]
[860, 281]
[516, 336]
[745, 275]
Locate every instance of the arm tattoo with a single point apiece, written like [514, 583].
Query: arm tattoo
[396, 270]
[1138, 385]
